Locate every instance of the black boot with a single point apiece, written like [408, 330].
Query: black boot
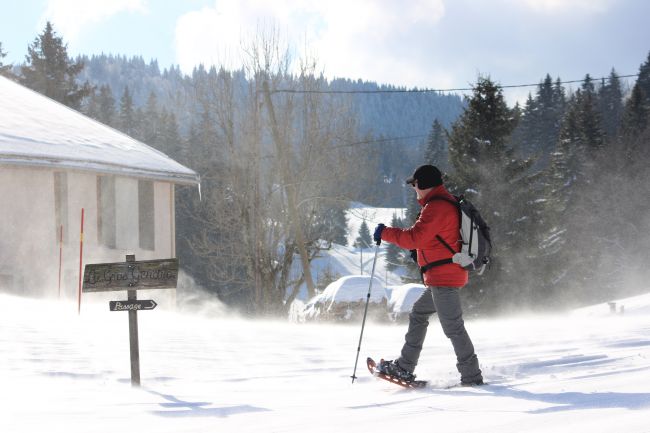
[475, 382]
[392, 368]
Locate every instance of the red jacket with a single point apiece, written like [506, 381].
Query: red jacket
[437, 217]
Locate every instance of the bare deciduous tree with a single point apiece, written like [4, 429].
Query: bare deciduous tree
[273, 166]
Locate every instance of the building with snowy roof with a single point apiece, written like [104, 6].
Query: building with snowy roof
[54, 162]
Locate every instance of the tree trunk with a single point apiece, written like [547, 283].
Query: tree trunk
[290, 189]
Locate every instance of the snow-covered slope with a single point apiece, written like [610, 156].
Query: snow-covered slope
[359, 212]
[65, 373]
[341, 261]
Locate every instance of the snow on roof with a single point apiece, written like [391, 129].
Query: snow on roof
[403, 297]
[38, 131]
[353, 288]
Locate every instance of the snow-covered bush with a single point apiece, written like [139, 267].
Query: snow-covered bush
[345, 299]
[402, 299]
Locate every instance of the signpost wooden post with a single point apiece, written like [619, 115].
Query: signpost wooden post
[132, 276]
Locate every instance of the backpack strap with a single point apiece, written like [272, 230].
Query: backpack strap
[442, 241]
[428, 266]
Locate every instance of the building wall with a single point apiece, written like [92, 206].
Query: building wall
[27, 230]
[29, 236]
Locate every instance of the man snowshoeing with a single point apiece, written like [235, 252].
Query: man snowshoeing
[438, 220]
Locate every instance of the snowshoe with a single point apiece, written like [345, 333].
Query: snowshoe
[390, 371]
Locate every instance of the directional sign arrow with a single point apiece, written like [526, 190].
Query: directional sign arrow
[144, 304]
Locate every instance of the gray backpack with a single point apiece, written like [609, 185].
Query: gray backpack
[474, 254]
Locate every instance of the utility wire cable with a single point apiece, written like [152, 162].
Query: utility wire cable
[410, 137]
[380, 140]
[459, 89]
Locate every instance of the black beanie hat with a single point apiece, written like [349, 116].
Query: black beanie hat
[427, 176]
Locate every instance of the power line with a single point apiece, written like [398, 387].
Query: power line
[380, 140]
[459, 89]
[357, 143]
[410, 137]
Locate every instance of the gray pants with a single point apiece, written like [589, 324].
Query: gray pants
[446, 302]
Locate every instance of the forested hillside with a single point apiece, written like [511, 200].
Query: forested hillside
[282, 152]
[387, 123]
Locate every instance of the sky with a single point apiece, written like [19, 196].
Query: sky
[435, 44]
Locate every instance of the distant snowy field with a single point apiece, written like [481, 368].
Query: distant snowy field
[586, 371]
[359, 212]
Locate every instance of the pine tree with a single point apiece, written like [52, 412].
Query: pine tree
[106, 106]
[170, 139]
[589, 116]
[140, 121]
[4, 69]
[91, 107]
[364, 240]
[551, 103]
[330, 225]
[592, 181]
[636, 113]
[127, 121]
[487, 171]
[478, 138]
[51, 72]
[644, 79]
[567, 165]
[559, 104]
[575, 207]
[151, 128]
[339, 231]
[611, 105]
[571, 145]
[525, 136]
[436, 150]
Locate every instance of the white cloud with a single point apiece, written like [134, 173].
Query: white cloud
[563, 6]
[360, 42]
[70, 17]
[349, 38]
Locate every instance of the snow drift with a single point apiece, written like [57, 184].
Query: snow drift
[67, 373]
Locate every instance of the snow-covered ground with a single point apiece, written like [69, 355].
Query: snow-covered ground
[585, 371]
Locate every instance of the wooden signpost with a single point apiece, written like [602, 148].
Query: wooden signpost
[132, 276]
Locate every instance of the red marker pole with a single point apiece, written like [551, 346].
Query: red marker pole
[81, 254]
[60, 257]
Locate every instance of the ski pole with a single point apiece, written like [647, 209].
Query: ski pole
[365, 311]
